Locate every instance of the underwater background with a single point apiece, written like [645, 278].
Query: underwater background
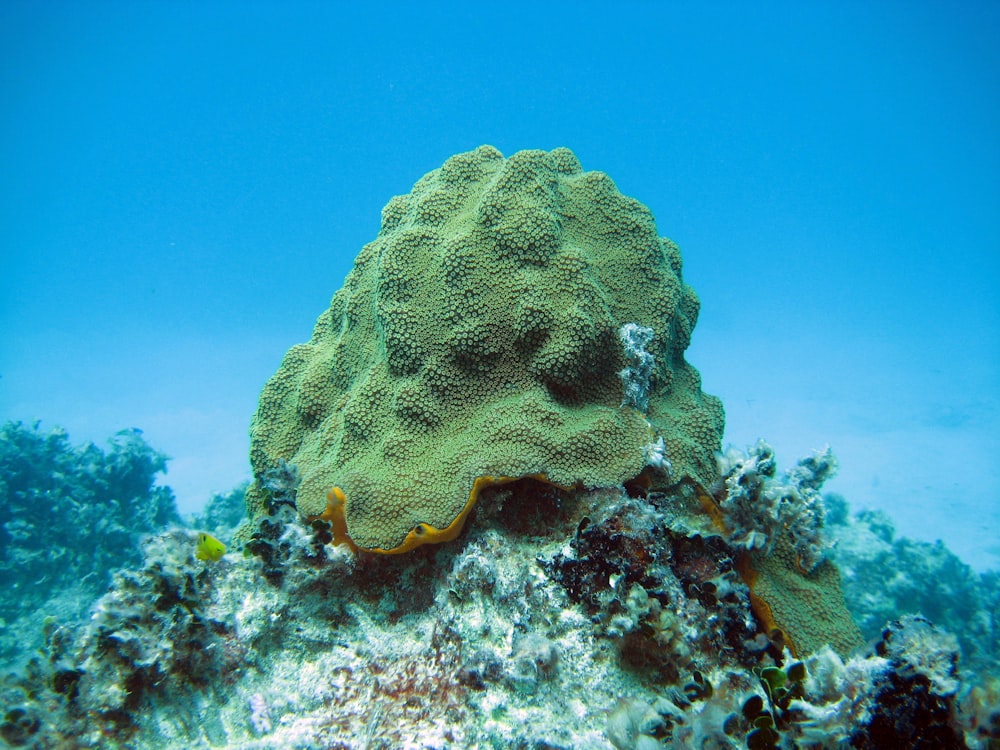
[184, 186]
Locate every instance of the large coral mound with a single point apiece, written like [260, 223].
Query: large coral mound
[481, 334]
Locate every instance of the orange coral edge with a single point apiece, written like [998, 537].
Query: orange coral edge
[744, 566]
[760, 608]
[422, 533]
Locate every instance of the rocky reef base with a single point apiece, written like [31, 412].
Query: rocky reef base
[557, 620]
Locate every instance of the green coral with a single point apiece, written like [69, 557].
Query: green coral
[809, 608]
[477, 335]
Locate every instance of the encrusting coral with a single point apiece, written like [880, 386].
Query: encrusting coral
[478, 336]
[777, 523]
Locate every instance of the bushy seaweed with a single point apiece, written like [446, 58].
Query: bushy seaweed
[885, 577]
[69, 517]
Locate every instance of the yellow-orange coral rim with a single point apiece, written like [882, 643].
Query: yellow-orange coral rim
[422, 533]
[744, 566]
[336, 501]
[709, 505]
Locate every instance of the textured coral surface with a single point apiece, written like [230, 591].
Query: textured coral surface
[808, 607]
[478, 334]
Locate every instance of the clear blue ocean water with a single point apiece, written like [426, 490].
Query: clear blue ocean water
[184, 186]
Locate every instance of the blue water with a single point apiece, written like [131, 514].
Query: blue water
[184, 187]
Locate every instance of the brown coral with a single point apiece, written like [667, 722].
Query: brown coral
[477, 336]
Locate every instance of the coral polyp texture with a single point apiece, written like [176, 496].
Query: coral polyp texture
[478, 336]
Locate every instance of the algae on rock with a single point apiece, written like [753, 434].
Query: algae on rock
[478, 336]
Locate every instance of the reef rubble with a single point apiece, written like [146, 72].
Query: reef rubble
[559, 619]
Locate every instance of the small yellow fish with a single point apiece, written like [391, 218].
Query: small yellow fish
[209, 548]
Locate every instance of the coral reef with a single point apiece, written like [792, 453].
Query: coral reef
[778, 521]
[653, 589]
[510, 348]
[914, 703]
[69, 517]
[148, 645]
[885, 578]
[979, 711]
[902, 694]
[622, 621]
[478, 336]
[759, 507]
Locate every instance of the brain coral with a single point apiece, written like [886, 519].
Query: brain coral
[477, 338]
